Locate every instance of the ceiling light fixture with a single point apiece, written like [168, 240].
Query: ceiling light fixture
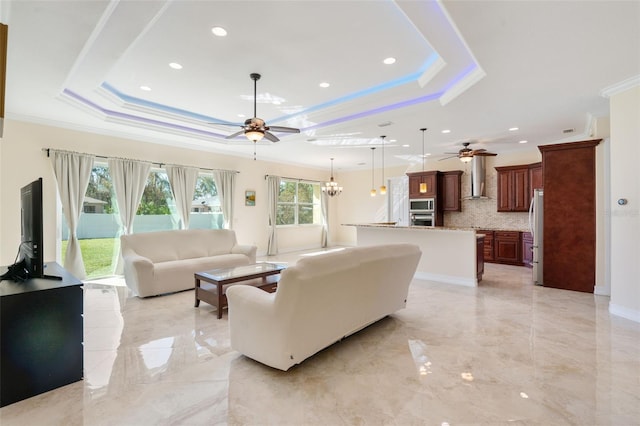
[373, 185]
[254, 135]
[175, 66]
[219, 31]
[145, 88]
[383, 187]
[513, 129]
[423, 185]
[324, 85]
[389, 61]
[331, 187]
[466, 158]
[523, 141]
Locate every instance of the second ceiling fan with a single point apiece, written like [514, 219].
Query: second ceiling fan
[255, 128]
[466, 154]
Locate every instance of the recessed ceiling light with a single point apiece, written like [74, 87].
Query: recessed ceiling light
[145, 88]
[219, 31]
[513, 129]
[389, 61]
[324, 84]
[241, 115]
[406, 145]
[446, 131]
[175, 66]
[393, 140]
[523, 141]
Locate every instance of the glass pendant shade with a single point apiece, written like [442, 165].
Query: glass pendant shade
[423, 187]
[466, 159]
[383, 190]
[254, 135]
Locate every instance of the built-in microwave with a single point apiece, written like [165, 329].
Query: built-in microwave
[422, 204]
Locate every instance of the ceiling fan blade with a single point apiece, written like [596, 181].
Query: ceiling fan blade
[478, 151]
[220, 123]
[235, 134]
[485, 154]
[446, 158]
[284, 129]
[270, 136]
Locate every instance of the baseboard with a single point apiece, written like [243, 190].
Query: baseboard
[602, 290]
[621, 311]
[446, 279]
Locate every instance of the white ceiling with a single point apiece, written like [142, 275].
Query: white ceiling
[477, 68]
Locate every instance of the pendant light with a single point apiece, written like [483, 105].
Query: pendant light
[373, 185]
[423, 185]
[331, 187]
[383, 188]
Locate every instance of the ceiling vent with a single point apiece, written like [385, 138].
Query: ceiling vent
[565, 131]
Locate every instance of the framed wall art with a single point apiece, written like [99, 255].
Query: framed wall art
[250, 198]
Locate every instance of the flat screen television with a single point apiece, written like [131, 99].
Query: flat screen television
[30, 252]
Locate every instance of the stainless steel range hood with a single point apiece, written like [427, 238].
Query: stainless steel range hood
[478, 183]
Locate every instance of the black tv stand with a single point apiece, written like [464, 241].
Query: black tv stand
[41, 334]
[52, 277]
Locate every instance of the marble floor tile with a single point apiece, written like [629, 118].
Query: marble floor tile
[506, 352]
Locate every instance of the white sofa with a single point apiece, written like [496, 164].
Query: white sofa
[320, 300]
[165, 261]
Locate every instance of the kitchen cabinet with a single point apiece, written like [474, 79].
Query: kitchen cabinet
[451, 191]
[430, 178]
[513, 188]
[535, 178]
[479, 257]
[508, 247]
[487, 244]
[527, 249]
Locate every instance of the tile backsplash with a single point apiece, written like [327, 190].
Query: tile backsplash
[482, 213]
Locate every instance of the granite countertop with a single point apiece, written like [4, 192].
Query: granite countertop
[430, 228]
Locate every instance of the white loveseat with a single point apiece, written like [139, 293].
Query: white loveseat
[165, 261]
[320, 300]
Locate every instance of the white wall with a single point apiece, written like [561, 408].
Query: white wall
[625, 220]
[22, 160]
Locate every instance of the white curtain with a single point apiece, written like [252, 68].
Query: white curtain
[273, 191]
[225, 184]
[129, 179]
[324, 206]
[72, 175]
[183, 186]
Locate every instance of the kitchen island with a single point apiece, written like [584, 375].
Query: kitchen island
[449, 255]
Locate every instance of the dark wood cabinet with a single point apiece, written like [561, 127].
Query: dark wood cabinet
[535, 178]
[479, 257]
[508, 247]
[527, 249]
[451, 191]
[487, 244]
[569, 229]
[430, 178]
[513, 188]
[41, 334]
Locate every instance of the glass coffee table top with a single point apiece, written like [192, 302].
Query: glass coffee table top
[258, 269]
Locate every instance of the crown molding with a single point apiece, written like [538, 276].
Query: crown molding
[620, 87]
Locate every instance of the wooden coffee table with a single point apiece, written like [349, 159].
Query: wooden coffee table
[210, 285]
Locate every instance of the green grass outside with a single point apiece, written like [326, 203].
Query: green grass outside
[97, 254]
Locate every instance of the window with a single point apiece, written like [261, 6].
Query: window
[299, 203]
[98, 226]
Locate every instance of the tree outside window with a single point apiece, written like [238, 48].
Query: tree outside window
[298, 203]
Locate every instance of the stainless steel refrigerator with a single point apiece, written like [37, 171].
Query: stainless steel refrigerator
[536, 221]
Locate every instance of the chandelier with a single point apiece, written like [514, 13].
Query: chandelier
[331, 187]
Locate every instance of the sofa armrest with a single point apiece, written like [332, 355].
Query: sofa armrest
[256, 328]
[247, 250]
[138, 273]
